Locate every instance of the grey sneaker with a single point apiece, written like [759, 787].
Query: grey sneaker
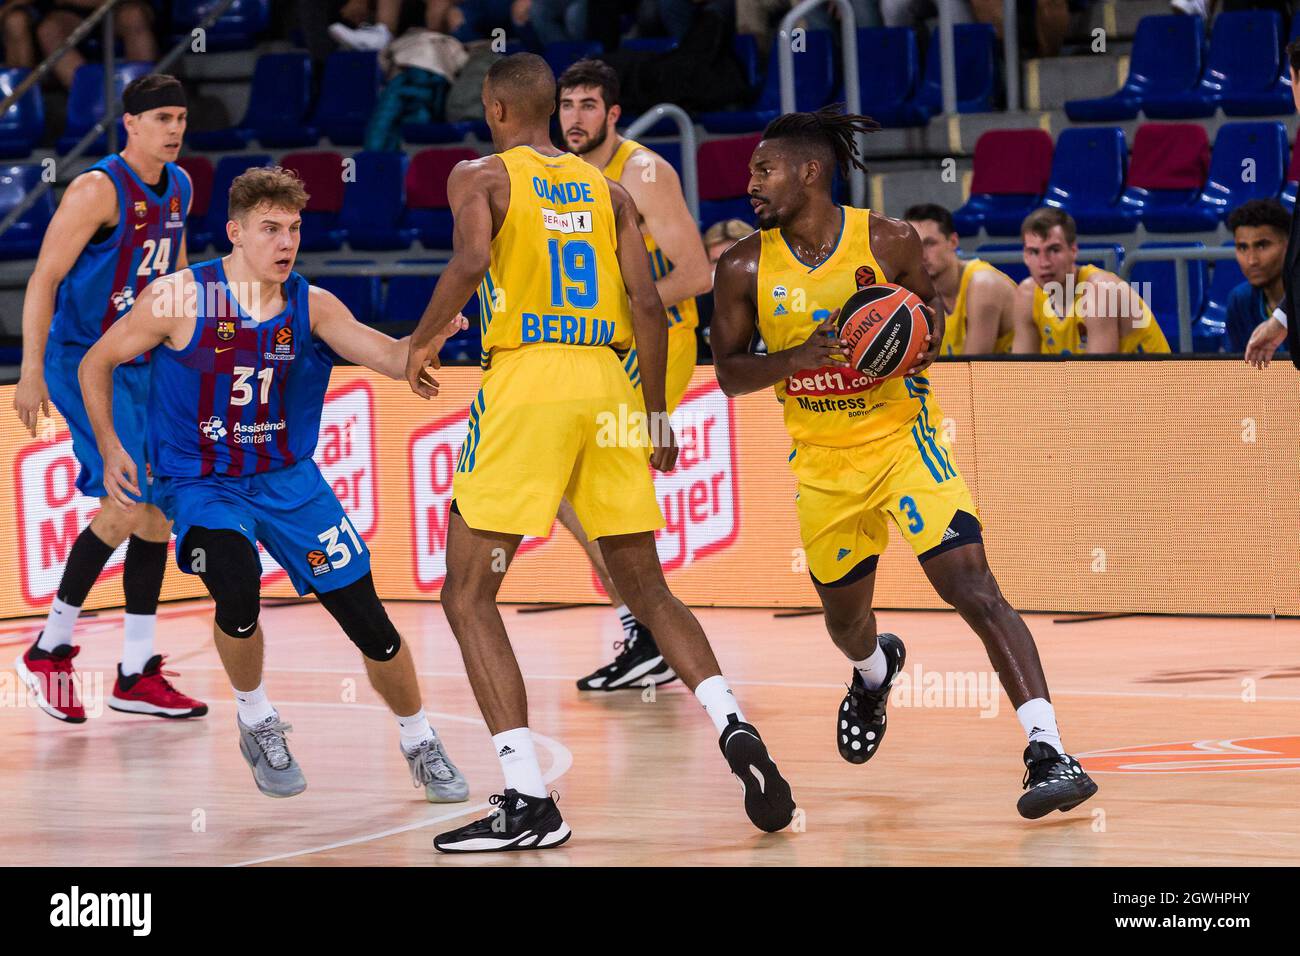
[275, 771]
[433, 769]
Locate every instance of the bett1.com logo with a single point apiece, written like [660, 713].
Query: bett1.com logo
[699, 498]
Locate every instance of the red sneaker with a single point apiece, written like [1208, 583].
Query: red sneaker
[150, 692]
[49, 677]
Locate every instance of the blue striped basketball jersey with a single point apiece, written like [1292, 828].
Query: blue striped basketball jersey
[102, 285]
[242, 397]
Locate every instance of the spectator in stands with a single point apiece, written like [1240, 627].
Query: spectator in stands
[721, 236]
[761, 17]
[1259, 231]
[978, 298]
[17, 23]
[372, 24]
[132, 21]
[556, 21]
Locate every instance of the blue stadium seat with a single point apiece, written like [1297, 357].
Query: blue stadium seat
[1165, 62]
[1088, 177]
[814, 80]
[889, 68]
[200, 170]
[361, 294]
[1016, 270]
[975, 71]
[746, 49]
[562, 55]
[23, 239]
[1262, 144]
[434, 134]
[236, 29]
[86, 102]
[279, 101]
[1090, 254]
[348, 94]
[228, 167]
[1210, 330]
[374, 203]
[23, 124]
[407, 297]
[1158, 285]
[648, 44]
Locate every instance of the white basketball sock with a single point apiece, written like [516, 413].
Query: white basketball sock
[519, 761]
[874, 669]
[715, 694]
[625, 618]
[137, 641]
[1038, 718]
[414, 730]
[58, 625]
[254, 707]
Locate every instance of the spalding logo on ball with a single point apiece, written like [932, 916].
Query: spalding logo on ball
[884, 328]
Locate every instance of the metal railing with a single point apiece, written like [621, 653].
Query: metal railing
[948, 56]
[852, 93]
[112, 109]
[1110, 262]
[686, 129]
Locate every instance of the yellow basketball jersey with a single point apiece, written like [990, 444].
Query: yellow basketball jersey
[684, 313]
[954, 333]
[1068, 334]
[827, 406]
[553, 275]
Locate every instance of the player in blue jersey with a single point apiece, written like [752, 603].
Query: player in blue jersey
[120, 225]
[242, 352]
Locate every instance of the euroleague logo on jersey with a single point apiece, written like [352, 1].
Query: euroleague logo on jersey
[283, 340]
[864, 277]
[319, 562]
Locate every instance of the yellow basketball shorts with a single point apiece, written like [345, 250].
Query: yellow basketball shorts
[682, 353]
[845, 495]
[556, 421]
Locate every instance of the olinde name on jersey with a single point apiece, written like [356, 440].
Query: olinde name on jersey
[103, 284]
[242, 397]
[554, 276]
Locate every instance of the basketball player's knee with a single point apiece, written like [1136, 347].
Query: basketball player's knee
[151, 524]
[114, 523]
[845, 624]
[463, 598]
[233, 576]
[357, 609]
[975, 596]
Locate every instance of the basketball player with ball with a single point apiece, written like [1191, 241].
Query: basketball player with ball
[837, 294]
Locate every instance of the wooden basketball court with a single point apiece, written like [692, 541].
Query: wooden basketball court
[1206, 708]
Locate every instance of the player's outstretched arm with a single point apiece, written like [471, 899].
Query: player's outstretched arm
[1026, 341]
[897, 247]
[337, 327]
[153, 320]
[648, 326]
[657, 191]
[471, 243]
[89, 202]
[735, 319]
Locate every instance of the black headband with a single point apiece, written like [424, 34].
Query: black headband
[140, 101]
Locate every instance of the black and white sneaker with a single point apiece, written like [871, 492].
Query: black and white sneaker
[767, 796]
[519, 822]
[860, 723]
[638, 664]
[1053, 781]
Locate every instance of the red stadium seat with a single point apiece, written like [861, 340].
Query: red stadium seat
[1012, 167]
[724, 179]
[322, 174]
[426, 194]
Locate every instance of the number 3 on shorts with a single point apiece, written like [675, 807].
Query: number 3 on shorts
[906, 505]
[338, 550]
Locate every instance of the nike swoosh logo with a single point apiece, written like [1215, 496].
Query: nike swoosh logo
[141, 225]
[219, 351]
[389, 650]
[241, 630]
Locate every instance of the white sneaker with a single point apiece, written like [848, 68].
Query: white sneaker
[371, 36]
[1193, 8]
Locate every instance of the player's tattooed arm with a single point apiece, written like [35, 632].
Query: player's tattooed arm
[897, 248]
[164, 314]
[1026, 341]
[89, 203]
[469, 194]
[735, 322]
[649, 329]
[657, 192]
[337, 327]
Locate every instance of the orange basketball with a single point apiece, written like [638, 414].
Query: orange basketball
[884, 327]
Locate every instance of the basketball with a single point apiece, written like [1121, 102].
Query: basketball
[884, 327]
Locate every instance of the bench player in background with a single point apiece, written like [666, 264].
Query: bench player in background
[589, 112]
[978, 299]
[242, 353]
[863, 453]
[120, 225]
[1103, 314]
[562, 244]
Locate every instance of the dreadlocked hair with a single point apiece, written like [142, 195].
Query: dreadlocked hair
[830, 127]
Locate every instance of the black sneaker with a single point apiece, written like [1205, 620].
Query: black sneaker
[860, 723]
[638, 664]
[520, 822]
[767, 795]
[1053, 781]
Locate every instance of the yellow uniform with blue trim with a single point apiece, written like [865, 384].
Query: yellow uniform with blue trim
[862, 453]
[683, 318]
[954, 333]
[1069, 334]
[555, 414]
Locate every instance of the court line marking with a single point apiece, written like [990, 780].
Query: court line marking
[561, 761]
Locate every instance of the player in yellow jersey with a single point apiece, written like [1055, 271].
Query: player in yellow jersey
[978, 299]
[1063, 308]
[865, 453]
[588, 113]
[558, 246]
